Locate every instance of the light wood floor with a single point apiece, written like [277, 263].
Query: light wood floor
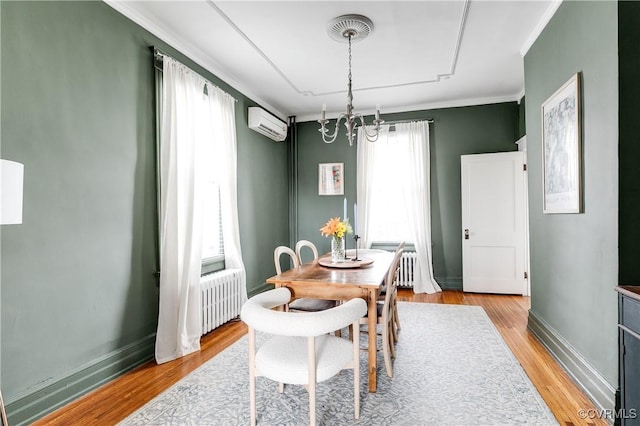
[116, 400]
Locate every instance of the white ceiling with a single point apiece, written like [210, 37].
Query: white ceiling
[420, 55]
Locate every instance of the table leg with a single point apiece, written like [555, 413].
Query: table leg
[373, 320]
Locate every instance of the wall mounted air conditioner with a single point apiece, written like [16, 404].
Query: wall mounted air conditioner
[263, 122]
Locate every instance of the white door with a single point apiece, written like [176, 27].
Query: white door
[494, 223]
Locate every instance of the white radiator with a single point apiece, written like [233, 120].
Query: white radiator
[222, 297]
[406, 269]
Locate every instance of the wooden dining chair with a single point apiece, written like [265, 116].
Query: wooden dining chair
[306, 243]
[386, 312]
[3, 412]
[394, 297]
[300, 351]
[383, 290]
[383, 293]
[303, 304]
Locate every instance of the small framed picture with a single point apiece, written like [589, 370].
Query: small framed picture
[561, 149]
[331, 179]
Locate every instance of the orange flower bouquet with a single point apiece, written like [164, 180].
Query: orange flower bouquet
[336, 229]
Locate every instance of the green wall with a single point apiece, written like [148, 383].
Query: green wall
[574, 257]
[454, 132]
[522, 124]
[79, 295]
[629, 140]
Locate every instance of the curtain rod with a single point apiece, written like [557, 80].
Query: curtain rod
[158, 56]
[392, 122]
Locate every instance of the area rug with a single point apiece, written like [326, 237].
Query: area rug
[452, 368]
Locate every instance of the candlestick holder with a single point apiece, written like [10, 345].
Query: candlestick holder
[356, 237]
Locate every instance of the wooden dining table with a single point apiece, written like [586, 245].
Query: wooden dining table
[342, 283]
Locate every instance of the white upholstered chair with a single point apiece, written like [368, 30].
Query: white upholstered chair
[386, 312]
[299, 350]
[304, 304]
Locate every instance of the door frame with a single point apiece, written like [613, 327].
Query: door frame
[522, 146]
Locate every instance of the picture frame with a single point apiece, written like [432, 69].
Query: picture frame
[331, 179]
[562, 149]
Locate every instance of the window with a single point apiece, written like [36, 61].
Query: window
[207, 175]
[388, 220]
[393, 188]
[212, 240]
[197, 172]
[205, 131]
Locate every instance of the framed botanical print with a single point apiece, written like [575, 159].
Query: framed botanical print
[561, 149]
[331, 179]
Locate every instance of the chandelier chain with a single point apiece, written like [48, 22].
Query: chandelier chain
[350, 94]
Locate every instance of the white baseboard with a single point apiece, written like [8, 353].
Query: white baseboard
[592, 383]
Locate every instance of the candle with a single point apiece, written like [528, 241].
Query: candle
[355, 219]
[344, 216]
[324, 111]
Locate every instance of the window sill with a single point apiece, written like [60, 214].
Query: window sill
[213, 264]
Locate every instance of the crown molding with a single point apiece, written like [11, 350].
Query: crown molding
[542, 23]
[192, 52]
[425, 106]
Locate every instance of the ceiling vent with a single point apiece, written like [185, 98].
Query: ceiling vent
[263, 122]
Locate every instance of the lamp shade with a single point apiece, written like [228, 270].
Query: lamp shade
[11, 177]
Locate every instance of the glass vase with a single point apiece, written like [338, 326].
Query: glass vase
[337, 249]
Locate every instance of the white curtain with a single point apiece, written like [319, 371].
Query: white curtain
[400, 156]
[226, 151]
[197, 133]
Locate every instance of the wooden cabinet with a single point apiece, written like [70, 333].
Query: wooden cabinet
[629, 354]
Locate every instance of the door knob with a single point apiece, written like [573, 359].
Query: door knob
[466, 234]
